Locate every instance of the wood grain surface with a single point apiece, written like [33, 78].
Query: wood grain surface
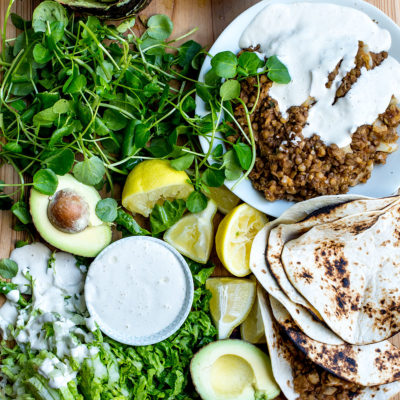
[210, 16]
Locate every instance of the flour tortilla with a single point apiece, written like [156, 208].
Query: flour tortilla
[285, 232]
[312, 327]
[281, 361]
[302, 317]
[349, 270]
[367, 365]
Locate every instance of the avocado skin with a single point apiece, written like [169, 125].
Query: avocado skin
[119, 10]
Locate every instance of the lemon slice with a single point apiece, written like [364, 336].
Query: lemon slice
[235, 236]
[252, 329]
[230, 303]
[193, 234]
[151, 182]
[223, 197]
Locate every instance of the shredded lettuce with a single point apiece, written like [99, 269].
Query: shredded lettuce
[117, 371]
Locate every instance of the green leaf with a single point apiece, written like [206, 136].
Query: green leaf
[90, 171]
[204, 92]
[13, 147]
[19, 22]
[277, 71]
[45, 118]
[41, 54]
[211, 78]
[128, 225]
[230, 90]
[213, 177]
[233, 170]
[57, 29]
[249, 63]
[182, 163]
[164, 216]
[243, 154]
[225, 64]
[196, 202]
[142, 135]
[114, 120]
[76, 85]
[127, 24]
[159, 27]
[45, 181]
[8, 268]
[60, 161]
[21, 243]
[107, 210]
[187, 52]
[21, 211]
[217, 151]
[62, 106]
[48, 12]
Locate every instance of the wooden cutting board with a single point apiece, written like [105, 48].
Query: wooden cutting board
[210, 16]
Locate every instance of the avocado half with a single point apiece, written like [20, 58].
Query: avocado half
[87, 243]
[109, 9]
[233, 370]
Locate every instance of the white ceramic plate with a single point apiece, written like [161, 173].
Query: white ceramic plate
[385, 179]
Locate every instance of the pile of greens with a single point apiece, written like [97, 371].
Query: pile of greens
[88, 97]
[117, 371]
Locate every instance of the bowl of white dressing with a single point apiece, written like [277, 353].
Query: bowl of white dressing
[139, 290]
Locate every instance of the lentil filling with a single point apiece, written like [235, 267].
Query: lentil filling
[312, 382]
[291, 167]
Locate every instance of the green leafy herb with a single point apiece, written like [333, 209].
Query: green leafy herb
[59, 161]
[164, 216]
[196, 202]
[45, 181]
[243, 154]
[107, 210]
[214, 177]
[159, 27]
[8, 268]
[277, 71]
[225, 64]
[21, 211]
[128, 226]
[249, 63]
[229, 90]
[90, 171]
[182, 163]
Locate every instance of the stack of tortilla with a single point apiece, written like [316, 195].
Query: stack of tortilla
[330, 298]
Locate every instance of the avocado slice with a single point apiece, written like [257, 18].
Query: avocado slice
[90, 238]
[233, 370]
[109, 9]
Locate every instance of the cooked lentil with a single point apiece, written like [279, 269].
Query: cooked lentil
[312, 382]
[289, 166]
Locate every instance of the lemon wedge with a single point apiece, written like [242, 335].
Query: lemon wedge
[252, 329]
[223, 197]
[152, 182]
[235, 236]
[193, 234]
[230, 303]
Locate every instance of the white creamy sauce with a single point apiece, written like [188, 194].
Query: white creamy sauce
[13, 295]
[311, 39]
[135, 288]
[57, 300]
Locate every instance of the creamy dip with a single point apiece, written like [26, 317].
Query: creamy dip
[139, 290]
[311, 39]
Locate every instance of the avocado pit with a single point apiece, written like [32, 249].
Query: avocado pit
[68, 211]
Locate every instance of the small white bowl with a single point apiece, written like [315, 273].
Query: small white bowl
[139, 290]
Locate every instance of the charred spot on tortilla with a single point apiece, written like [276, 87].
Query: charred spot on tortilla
[324, 211]
[307, 276]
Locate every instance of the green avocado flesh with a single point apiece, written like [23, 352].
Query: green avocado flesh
[87, 243]
[110, 9]
[233, 370]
